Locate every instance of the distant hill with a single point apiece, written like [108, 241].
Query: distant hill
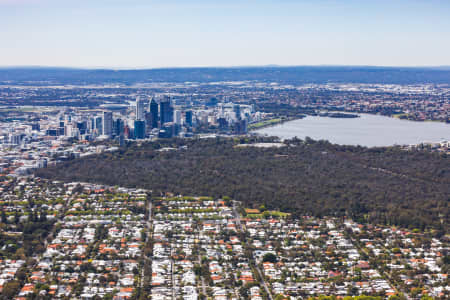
[383, 185]
[286, 75]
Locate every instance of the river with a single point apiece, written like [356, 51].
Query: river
[367, 130]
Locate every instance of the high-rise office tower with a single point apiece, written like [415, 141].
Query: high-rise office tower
[237, 111]
[223, 123]
[139, 129]
[166, 111]
[118, 127]
[154, 113]
[99, 125]
[61, 128]
[82, 126]
[107, 123]
[240, 127]
[188, 117]
[91, 125]
[140, 109]
[177, 117]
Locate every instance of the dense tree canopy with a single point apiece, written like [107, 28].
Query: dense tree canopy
[385, 185]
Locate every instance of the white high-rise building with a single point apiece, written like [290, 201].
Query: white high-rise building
[68, 130]
[177, 117]
[15, 139]
[107, 123]
[140, 109]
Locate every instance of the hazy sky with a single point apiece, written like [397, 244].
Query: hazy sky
[163, 33]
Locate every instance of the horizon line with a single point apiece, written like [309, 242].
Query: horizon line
[112, 68]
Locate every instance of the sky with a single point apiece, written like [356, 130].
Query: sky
[198, 33]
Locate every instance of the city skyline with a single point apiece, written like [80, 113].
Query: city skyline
[155, 34]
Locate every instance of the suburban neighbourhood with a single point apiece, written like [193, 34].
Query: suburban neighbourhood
[88, 241]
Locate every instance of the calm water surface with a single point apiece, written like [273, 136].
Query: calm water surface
[368, 130]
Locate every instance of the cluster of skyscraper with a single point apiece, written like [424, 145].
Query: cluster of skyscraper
[150, 117]
[161, 119]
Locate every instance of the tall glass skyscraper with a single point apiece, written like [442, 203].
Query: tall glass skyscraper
[154, 113]
[166, 111]
[107, 123]
[140, 109]
[139, 129]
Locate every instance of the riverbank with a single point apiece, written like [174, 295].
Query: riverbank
[272, 122]
[368, 130]
[341, 115]
[404, 116]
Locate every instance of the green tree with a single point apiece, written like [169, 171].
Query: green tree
[270, 257]
[10, 289]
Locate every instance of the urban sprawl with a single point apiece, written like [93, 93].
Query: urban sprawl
[88, 241]
[57, 134]
[45, 124]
